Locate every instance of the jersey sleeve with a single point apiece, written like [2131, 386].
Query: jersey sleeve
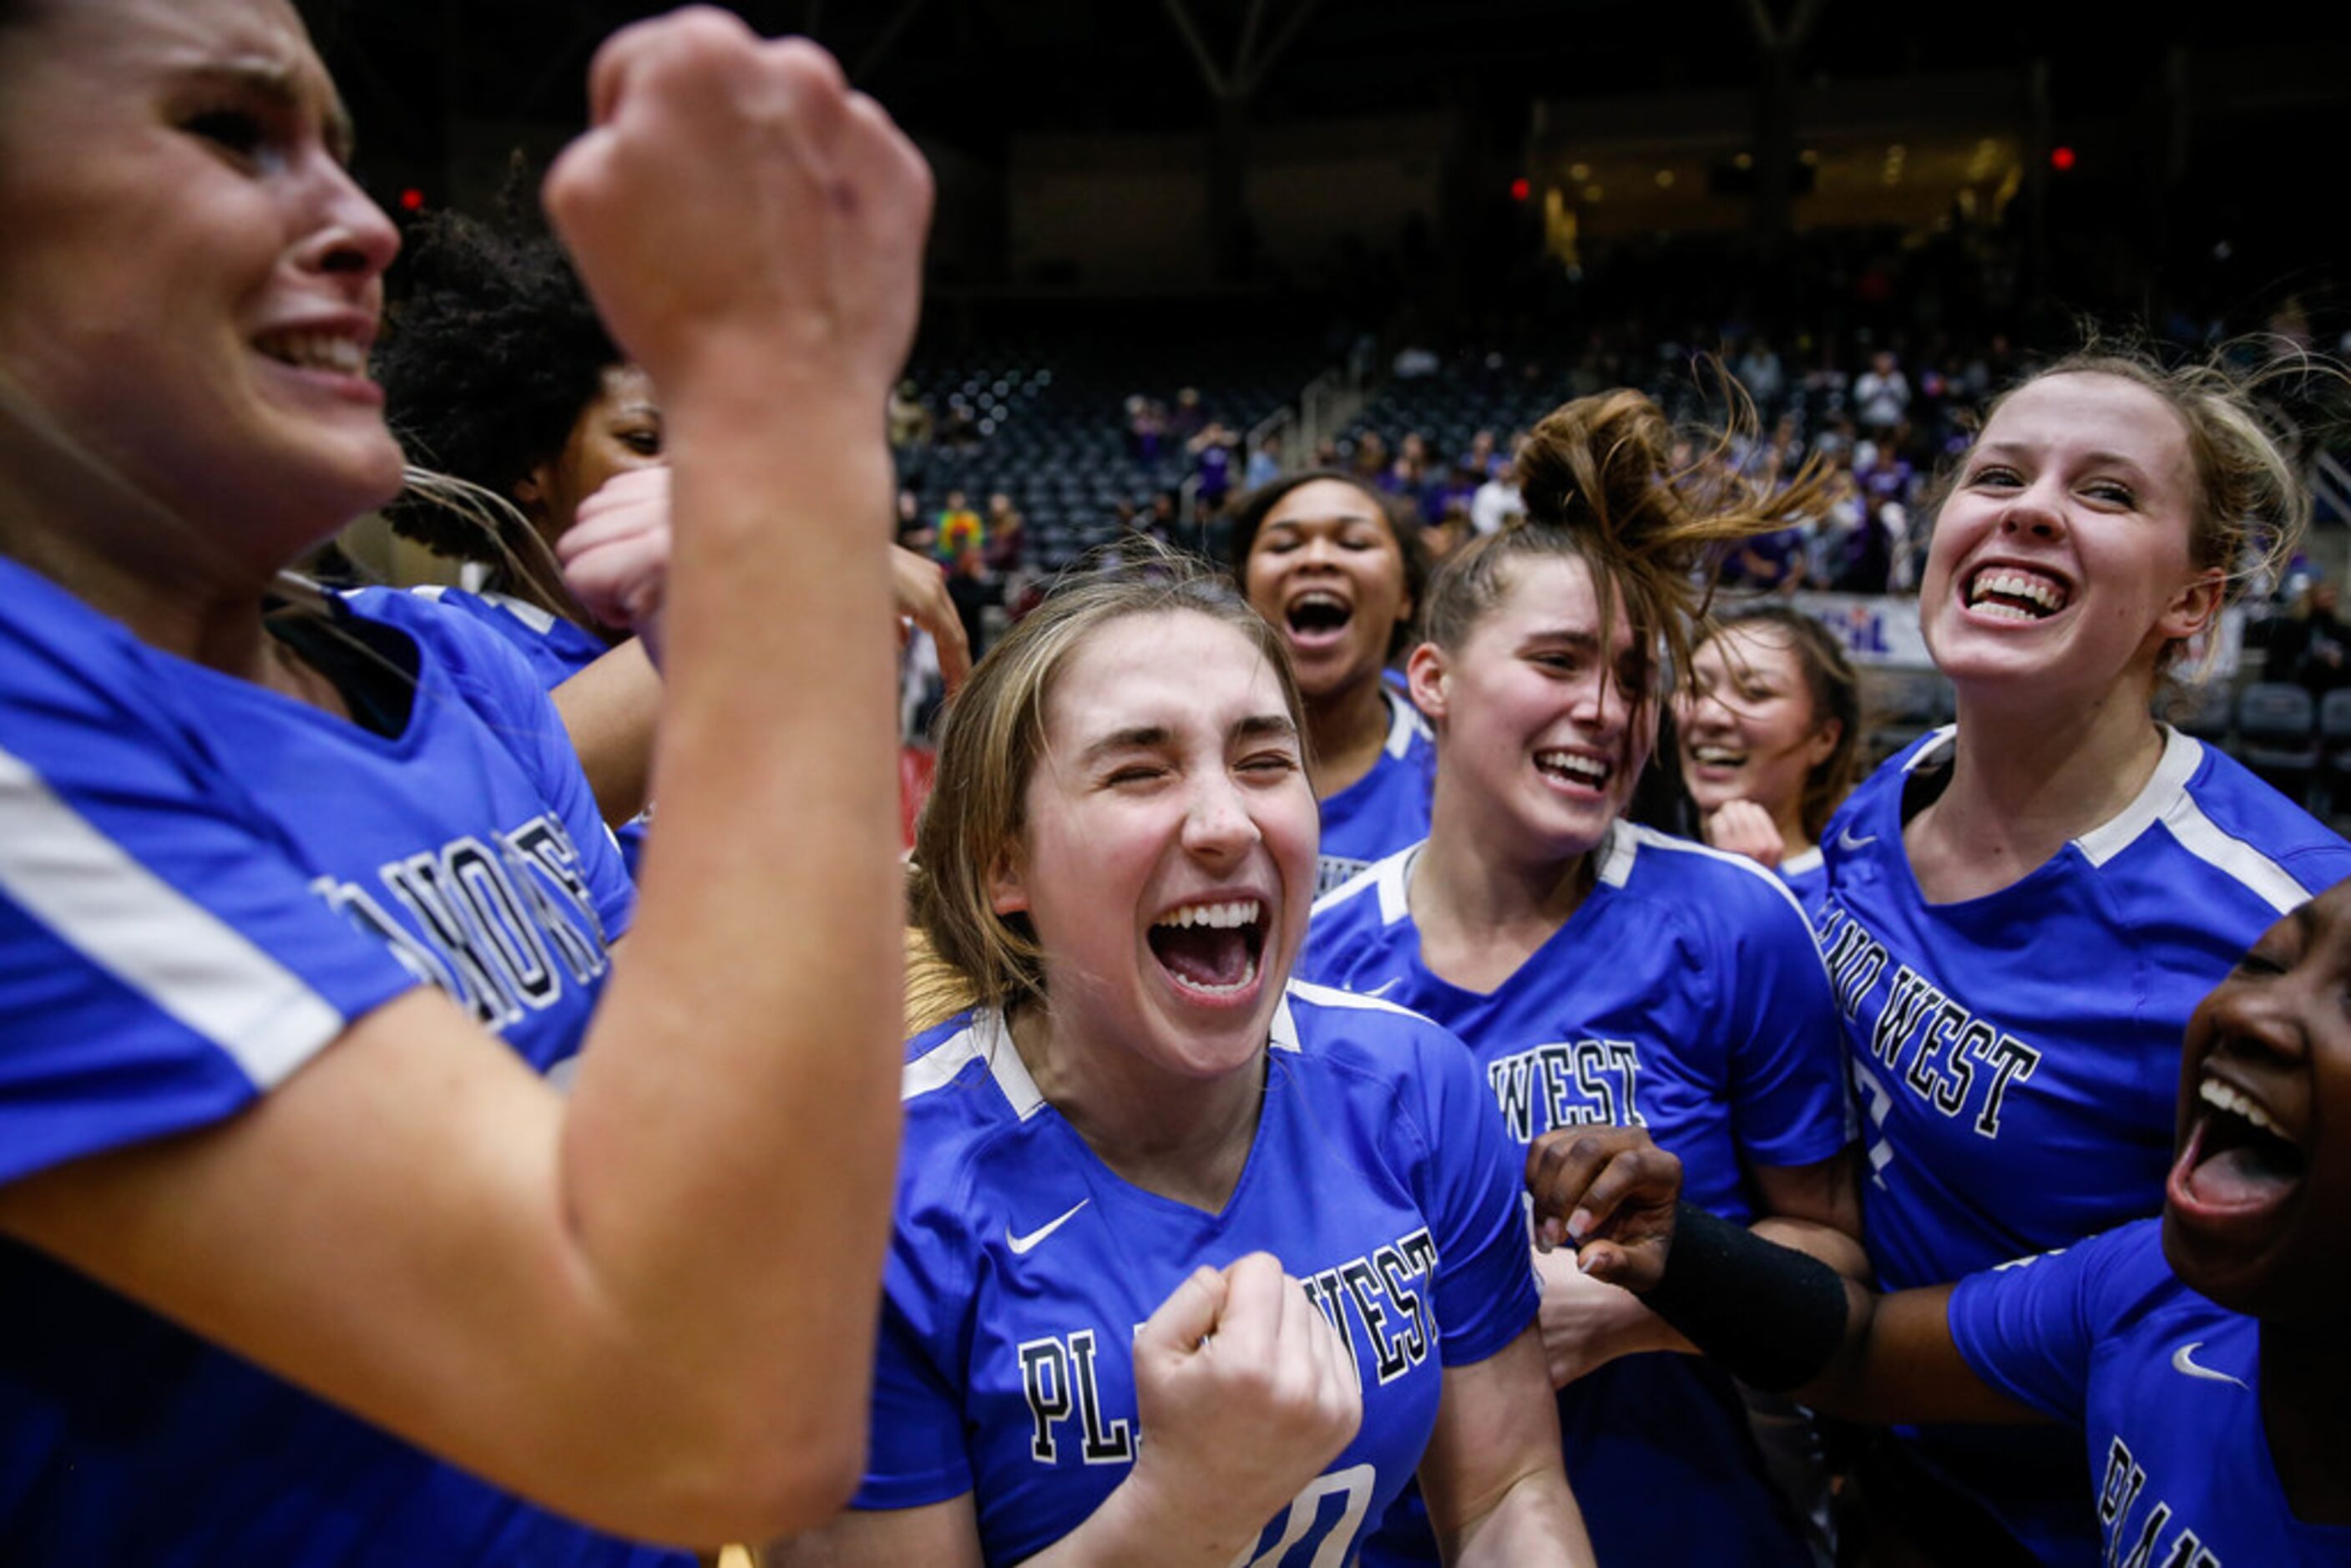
[163, 957]
[1789, 1102]
[914, 1450]
[500, 683]
[1471, 1187]
[2028, 1328]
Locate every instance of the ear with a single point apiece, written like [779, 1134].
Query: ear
[1007, 891]
[531, 490]
[1427, 675]
[1823, 743]
[2192, 609]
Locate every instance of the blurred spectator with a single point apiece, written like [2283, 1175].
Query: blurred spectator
[1449, 532]
[2307, 646]
[959, 526]
[972, 591]
[1189, 417]
[960, 428]
[1007, 536]
[1212, 450]
[1146, 428]
[910, 417]
[1759, 372]
[1264, 464]
[915, 532]
[1498, 502]
[1881, 396]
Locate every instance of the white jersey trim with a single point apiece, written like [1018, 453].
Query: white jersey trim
[985, 1039]
[1285, 1028]
[185, 960]
[1810, 861]
[1406, 723]
[2165, 799]
[1636, 835]
[522, 610]
[1938, 743]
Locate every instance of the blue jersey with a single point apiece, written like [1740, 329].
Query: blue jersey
[2163, 1385]
[202, 883]
[1387, 808]
[1806, 875]
[1682, 995]
[1022, 1266]
[557, 651]
[2017, 1055]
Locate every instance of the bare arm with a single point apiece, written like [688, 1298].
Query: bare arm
[609, 709]
[1814, 1209]
[581, 1300]
[1894, 1359]
[942, 1535]
[1588, 1323]
[1496, 1492]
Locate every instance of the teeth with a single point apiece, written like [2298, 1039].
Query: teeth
[1717, 756]
[1223, 916]
[2029, 586]
[2213, 1091]
[314, 351]
[1321, 597]
[1585, 770]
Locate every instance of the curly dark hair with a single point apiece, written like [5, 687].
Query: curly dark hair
[492, 356]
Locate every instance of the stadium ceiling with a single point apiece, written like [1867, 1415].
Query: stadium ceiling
[972, 72]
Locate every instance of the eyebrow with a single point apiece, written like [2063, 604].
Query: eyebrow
[2094, 459]
[1155, 737]
[277, 83]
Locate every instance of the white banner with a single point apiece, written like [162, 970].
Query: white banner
[1882, 630]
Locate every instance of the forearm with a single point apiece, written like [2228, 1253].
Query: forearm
[732, 1133]
[1830, 1244]
[609, 709]
[1536, 1521]
[1135, 1525]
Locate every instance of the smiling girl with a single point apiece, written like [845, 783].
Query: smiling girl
[1339, 571]
[1143, 1123]
[2197, 1362]
[2022, 909]
[1769, 732]
[304, 1258]
[1600, 972]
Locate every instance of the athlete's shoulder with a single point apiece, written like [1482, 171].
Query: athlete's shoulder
[1375, 894]
[1686, 874]
[2205, 806]
[2112, 1281]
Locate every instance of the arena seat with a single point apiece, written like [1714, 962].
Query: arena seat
[2204, 712]
[2277, 731]
[2334, 748]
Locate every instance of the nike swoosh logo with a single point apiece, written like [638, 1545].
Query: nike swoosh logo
[1022, 1245]
[1846, 841]
[2183, 1360]
[1384, 986]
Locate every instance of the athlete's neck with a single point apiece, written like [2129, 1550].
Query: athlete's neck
[1482, 914]
[2026, 783]
[2305, 1391]
[1348, 728]
[1186, 1139]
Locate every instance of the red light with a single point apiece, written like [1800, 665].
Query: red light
[1519, 189]
[412, 200]
[2061, 159]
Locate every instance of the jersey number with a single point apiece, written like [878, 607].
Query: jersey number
[1354, 1485]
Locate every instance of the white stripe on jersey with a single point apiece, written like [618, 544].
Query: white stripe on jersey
[1405, 722]
[985, 1039]
[522, 610]
[100, 899]
[2166, 800]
